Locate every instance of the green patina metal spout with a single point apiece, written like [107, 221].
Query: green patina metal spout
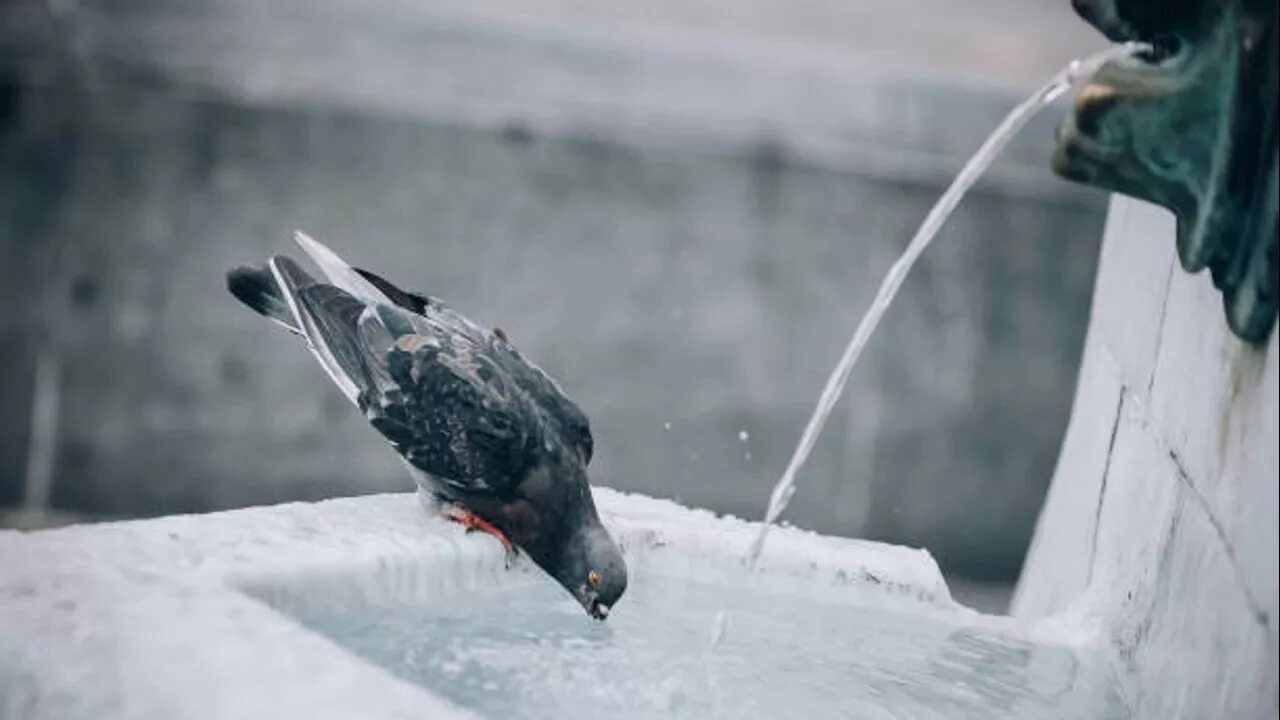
[1192, 127]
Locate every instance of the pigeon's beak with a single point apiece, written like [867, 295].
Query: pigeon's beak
[598, 610]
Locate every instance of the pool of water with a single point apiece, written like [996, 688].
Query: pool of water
[676, 648]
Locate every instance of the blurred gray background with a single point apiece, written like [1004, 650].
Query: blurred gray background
[680, 208]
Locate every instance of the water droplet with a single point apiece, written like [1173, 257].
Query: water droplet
[666, 426]
[743, 435]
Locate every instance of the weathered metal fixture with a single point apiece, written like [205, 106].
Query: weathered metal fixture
[1191, 126]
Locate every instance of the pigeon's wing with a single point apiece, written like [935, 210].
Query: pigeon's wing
[576, 427]
[333, 348]
[255, 286]
[529, 378]
[373, 289]
[543, 389]
[339, 273]
[411, 301]
[441, 400]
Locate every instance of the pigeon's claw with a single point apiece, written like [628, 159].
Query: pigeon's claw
[473, 523]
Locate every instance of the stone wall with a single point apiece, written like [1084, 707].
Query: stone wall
[1161, 522]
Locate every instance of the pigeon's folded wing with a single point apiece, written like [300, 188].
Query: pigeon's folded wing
[440, 399]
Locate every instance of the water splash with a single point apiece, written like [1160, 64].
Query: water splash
[1066, 79]
[717, 630]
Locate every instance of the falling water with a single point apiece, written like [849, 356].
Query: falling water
[1067, 78]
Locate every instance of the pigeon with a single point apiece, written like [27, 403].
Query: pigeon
[488, 436]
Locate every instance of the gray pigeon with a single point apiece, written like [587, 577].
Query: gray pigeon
[484, 432]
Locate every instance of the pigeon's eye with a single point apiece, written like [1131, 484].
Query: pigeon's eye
[593, 579]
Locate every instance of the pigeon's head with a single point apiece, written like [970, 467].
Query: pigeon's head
[556, 524]
[592, 569]
[578, 552]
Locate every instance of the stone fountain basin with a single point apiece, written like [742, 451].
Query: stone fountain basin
[368, 607]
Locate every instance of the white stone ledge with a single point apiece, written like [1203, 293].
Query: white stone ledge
[162, 618]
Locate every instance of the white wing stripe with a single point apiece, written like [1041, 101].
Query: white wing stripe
[315, 342]
[339, 272]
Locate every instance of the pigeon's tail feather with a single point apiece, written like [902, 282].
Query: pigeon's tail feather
[329, 319]
[256, 287]
[339, 272]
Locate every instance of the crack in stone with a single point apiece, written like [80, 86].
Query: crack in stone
[1259, 613]
[1102, 492]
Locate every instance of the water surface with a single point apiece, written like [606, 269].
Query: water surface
[530, 652]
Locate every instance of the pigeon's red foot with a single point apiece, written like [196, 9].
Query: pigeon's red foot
[473, 523]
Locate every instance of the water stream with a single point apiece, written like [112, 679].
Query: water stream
[1066, 79]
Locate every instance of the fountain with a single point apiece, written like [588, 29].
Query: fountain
[1150, 591]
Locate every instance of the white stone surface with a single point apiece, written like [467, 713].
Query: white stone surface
[158, 618]
[1135, 243]
[1072, 526]
[1166, 490]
